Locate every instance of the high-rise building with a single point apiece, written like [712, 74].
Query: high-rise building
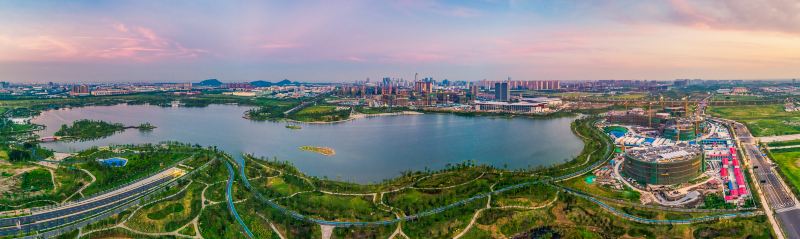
[501, 91]
[79, 90]
[473, 92]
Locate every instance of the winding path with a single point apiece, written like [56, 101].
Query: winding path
[80, 190]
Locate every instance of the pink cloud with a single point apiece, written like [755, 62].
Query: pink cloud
[355, 59]
[142, 44]
[279, 45]
[115, 42]
[770, 15]
[410, 6]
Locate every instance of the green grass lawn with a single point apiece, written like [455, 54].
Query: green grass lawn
[336, 207]
[317, 109]
[4, 154]
[735, 97]
[580, 184]
[573, 94]
[784, 143]
[787, 160]
[632, 96]
[762, 120]
[324, 113]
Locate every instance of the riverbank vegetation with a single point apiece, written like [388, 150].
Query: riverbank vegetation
[597, 147]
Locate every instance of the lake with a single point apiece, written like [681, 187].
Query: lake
[367, 150]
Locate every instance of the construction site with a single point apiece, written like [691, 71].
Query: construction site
[673, 157]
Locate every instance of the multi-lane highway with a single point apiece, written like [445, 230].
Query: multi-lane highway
[72, 212]
[774, 189]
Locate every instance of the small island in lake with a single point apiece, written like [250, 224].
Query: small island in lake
[87, 129]
[146, 127]
[293, 127]
[327, 151]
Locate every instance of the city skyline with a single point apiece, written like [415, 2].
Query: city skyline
[310, 41]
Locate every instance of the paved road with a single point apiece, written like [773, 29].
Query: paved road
[778, 196]
[768, 139]
[71, 212]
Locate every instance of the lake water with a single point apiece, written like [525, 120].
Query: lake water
[367, 150]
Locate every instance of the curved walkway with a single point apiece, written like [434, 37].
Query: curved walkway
[638, 219]
[80, 190]
[585, 170]
[229, 196]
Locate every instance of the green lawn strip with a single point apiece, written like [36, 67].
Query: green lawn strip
[450, 178]
[413, 201]
[364, 232]
[784, 143]
[530, 196]
[335, 207]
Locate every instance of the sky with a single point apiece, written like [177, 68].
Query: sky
[349, 40]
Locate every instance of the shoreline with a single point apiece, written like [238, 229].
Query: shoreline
[355, 117]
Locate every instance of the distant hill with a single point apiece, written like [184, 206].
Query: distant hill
[210, 82]
[284, 82]
[261, 83]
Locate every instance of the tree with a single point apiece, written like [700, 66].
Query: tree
[17, 155]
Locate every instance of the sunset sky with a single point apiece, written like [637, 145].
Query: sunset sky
[348, 40]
